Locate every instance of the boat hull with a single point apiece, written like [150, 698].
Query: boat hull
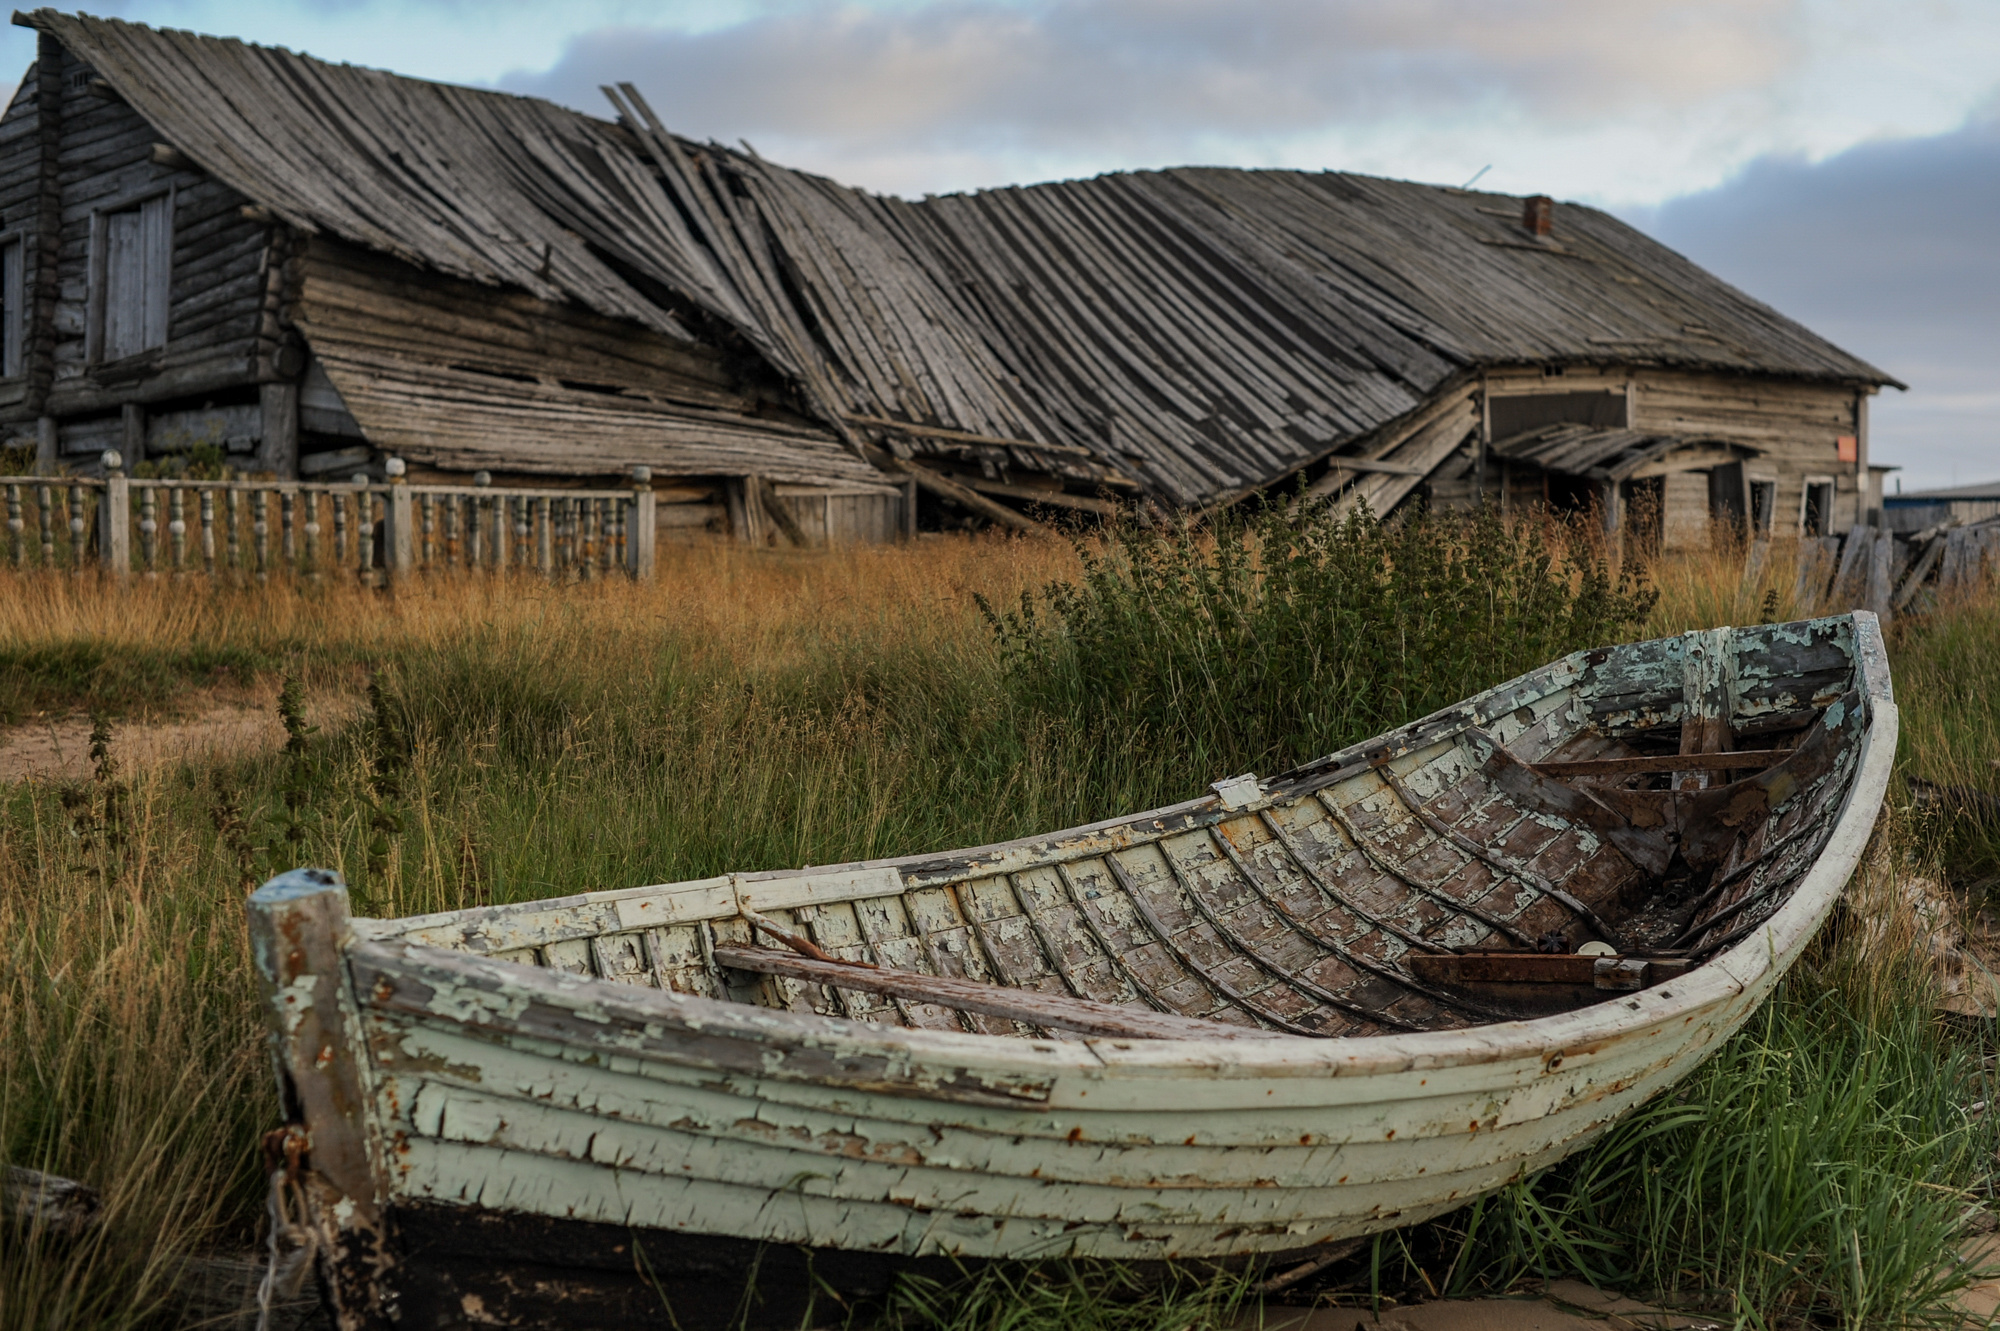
[633, 1145]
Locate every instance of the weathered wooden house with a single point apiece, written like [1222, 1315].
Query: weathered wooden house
[317, 266]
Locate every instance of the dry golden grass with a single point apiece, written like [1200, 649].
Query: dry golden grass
[127, 1057]
[747, 707]
[760, 606]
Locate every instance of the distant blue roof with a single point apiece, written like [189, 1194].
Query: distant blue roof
[1989, 491]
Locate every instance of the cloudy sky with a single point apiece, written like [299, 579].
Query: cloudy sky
[1838, 158]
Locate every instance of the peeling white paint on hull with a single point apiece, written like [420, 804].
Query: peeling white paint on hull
[591, 1063]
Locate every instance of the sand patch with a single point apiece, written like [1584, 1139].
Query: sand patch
[217, 727]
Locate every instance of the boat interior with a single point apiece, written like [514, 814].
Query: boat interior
[1601, 825]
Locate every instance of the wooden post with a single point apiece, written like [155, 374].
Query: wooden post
[134, 443]
[910, 509]
[642, 535]
[278, 452]
[1485, 443]
[47, 446]
[399, 539]
[1881, 562]
[114, 518]
[741, 496]
[298, 930]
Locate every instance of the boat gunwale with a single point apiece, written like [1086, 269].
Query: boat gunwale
[1744, 967]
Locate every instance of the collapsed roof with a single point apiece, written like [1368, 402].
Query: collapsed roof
[1202, 331]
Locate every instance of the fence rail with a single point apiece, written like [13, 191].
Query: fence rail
[374, 530]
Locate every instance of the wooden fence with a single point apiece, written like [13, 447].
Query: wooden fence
[375, 530]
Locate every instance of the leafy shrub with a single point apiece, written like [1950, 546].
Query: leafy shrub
[1266, 644]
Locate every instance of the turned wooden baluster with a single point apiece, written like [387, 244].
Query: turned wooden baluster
[364, 530]
[206, 502]
[311, 530]
[233, 514]
[177, 527]
[45, 516]
[544, 537]
[76, 527]
[260, 531]
[339, 528]
[149, 529]
[16, 528]
[288, 528]
[450, 506]
[475, 518]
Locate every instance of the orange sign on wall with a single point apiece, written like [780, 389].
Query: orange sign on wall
[1850, 448]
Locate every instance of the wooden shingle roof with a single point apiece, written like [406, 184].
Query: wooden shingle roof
[1202, 330]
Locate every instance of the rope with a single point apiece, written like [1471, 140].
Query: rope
[293, 1242]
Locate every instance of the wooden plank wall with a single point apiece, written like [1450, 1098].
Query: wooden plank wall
[458, 376]
[219, 257]
[1793, 425]
[20, 157]
[105, 157]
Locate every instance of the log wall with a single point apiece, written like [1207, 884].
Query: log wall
[70, 152]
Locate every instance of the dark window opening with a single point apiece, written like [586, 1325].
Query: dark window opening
[1645, 517]
[1819, 508]
[1728, 497]
[1572, 494]
[1532, 411]
[13, 315]
[1763, 506]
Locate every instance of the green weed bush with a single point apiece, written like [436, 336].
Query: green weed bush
[1270, 643]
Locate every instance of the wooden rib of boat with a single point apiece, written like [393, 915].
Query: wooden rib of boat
[1253, 1025]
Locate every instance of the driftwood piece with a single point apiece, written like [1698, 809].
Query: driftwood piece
[48, 1204]
[1025, 1005]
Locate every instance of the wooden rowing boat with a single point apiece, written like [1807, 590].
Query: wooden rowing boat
[1293, 1011]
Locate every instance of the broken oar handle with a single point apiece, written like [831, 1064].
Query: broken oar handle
[1672, 762]
[1480, 969]
[798, 943]
[1024, 1005]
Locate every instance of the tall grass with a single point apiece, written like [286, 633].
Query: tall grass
[1821, 1168]
[1271, 643]
[1945, 679]
[128, 1056]
[751, 710]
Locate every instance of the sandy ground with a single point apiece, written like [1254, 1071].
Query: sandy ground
[212, 725]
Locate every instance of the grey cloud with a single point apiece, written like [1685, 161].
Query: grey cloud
[1149, 79]
[1889, 250]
